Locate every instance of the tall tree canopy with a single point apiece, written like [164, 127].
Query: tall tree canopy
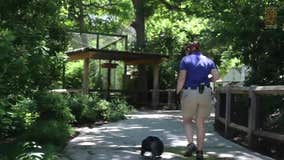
[31, 37]
[103, 16]
[226, 30]
[238, 27]
[33, 33]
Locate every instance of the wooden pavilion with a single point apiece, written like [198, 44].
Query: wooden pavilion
[128, 57]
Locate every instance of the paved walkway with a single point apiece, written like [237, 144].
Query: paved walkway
[121, 140]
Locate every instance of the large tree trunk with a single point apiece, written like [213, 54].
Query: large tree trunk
[84, 40]
[139, 26]
[139, 23]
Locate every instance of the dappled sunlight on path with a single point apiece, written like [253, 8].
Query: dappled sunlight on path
[121, 140]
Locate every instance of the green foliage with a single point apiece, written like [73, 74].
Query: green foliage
[167, 42]
[118, 109]
[175, 29]
[227, 63]
[17, 114]
[8, 151]
[227, 30]
[53, 106]
[45, 119]
[98, 15]
[31, 36]
[239, 26]
[73, 75]
[23, 113]
[51, 152]
[112, 110]
[30, 152]
[97, 74]
[78, 103]
[50, 131]
[92, 109]
[98, 109]
[53, 125]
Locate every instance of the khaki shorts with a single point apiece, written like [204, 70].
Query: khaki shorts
[194, 104]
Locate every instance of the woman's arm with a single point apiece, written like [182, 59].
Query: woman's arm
[215, 75]
[181, 80]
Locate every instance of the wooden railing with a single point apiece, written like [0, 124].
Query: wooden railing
[252, 128]
[166, 97]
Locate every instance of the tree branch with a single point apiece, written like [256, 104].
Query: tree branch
[101, 6]
[170, 6]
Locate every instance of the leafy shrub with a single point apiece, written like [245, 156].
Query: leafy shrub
[91, 109]
[5, 120]
[119, 108]
[17, 114]
[9, 150]
[53, 125]
[73, 77]
[51, 152]
[115, 116]
[50, 131]
[31, 151]
[98, 109]
[78, 104]
[88, 109]
[83, 108]
[24, 112]
[34, 151]
[101, 109]
[53, 106]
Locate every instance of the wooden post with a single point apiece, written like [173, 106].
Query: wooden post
[155, 93]
[169, 98]
[98, 42]
[125, 69]
[86, 76]
[228, 111]
[218, 103]
[126, 43]
[63, 74]
[142, 85]
[253, 117]
[124, 77]
[108, 80]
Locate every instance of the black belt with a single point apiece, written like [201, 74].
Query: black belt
[196, 87]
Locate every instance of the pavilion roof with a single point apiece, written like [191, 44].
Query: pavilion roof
[129, 57]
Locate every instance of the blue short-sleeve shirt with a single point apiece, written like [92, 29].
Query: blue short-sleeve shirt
[197, 67]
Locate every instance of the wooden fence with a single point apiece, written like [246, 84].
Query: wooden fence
[252, 129]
